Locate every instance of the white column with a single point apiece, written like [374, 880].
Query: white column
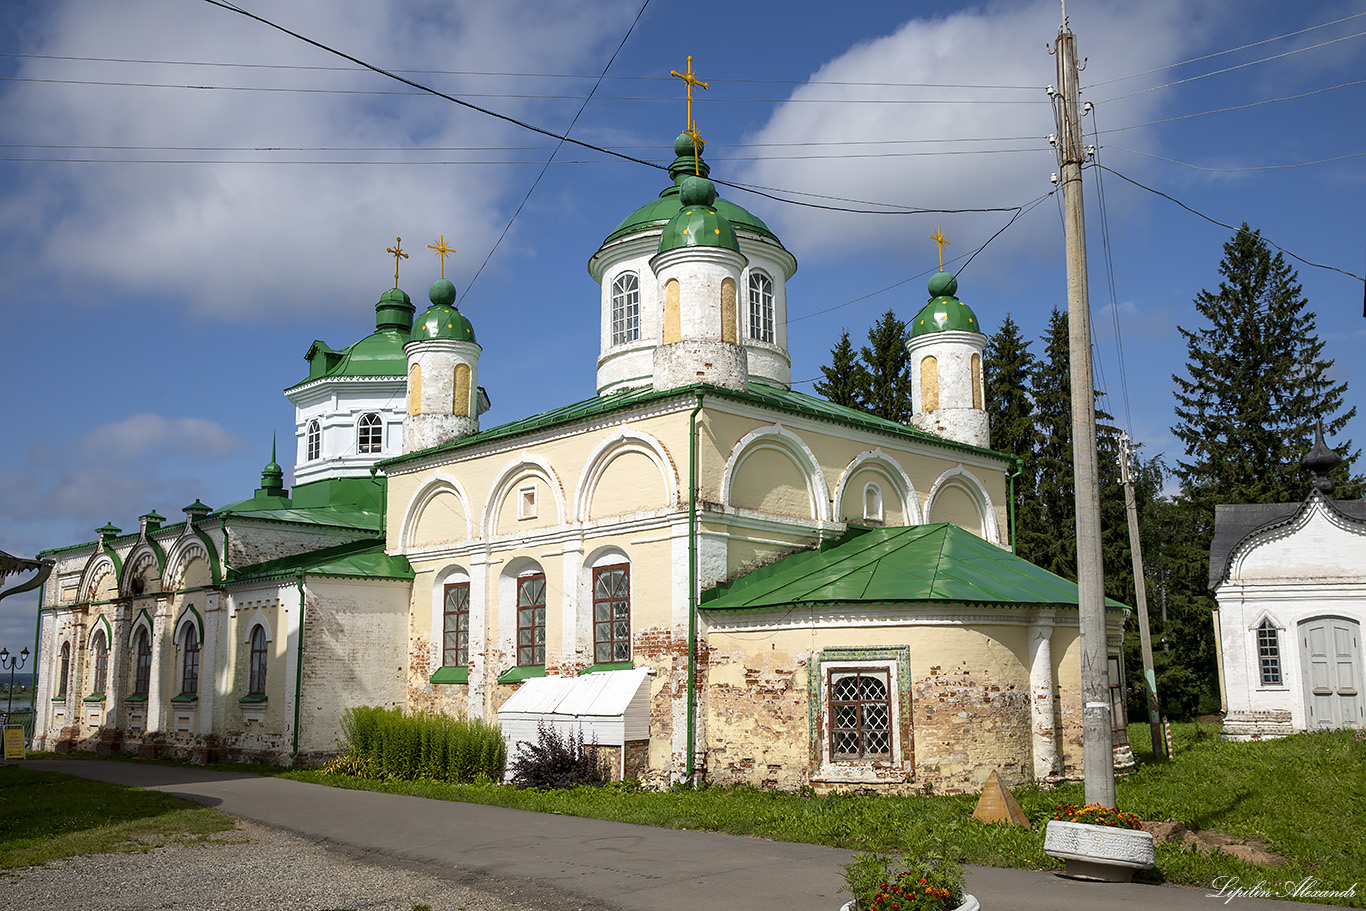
[1042, 727]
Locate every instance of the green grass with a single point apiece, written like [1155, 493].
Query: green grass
[1304, 796]
[46, 816]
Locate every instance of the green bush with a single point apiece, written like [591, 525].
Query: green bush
[387, 743]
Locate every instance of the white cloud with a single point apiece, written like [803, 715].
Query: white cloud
[210, 235]
[1001, 44]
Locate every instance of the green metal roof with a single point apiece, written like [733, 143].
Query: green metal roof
[341, 516]
[944, 312]
[917, 563]
[442, 320]
[698, 224]
[773, 397]
[358, 558]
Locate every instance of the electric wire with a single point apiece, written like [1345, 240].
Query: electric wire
[1107, 249]
[1265, 167]
[559, 145]
[1240, 107]
[1221, 224]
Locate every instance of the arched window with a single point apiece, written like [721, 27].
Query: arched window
[315, 441]
[369, 434]
[142, 668]
[625, 308]
[531, 620]
[65, 670]
[189, 660]
[612, 613]
[760, 307]
[872, 503]
[100, 648]
[256, 678]
[455, 625]
[1269, 653]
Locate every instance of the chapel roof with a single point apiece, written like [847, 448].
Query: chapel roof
[1235, 523]
[442, 320]
[364, 559]
[944, 312]
[939, 563]
[378, 354]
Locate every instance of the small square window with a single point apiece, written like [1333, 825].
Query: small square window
[526, 503]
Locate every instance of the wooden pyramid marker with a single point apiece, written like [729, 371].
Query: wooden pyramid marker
[997, 805]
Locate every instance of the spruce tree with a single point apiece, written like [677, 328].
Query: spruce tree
[846, 380]
[1255, 384]
[1007, 366]
[889, 370]
[1050, 386]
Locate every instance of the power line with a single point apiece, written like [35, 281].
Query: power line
[1234, 50]
[1221, 224]
[1110, 276]
[1265, 167]
[1240, 107]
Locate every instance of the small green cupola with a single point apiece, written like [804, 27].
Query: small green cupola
[697, 223]
[442, 320]
[944, 312]
[394, 310]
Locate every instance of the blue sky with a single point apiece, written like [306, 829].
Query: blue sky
[175, 232]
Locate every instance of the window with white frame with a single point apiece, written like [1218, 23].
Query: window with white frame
[369, 434]
[531, 620]
[142, 662]
[612, 613]
[872, 502]
[625, 308]
[526, 502]
[314, 444]
[256, 672]
[1269, 653]
[860, 713]
[760, 307]
[189, 659]
[100, 648]
[455, 614]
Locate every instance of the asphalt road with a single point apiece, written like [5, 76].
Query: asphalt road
[568, 862]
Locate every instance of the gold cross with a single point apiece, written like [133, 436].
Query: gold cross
[442, 251]
[691, 80]
[941, 243]
[397, 251]
[697, 143]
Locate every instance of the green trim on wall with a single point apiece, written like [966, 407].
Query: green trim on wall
[450, 675]
[518, 674]
[249, 700]
[607, 666]
[198, 622]
[94, 697]
[136, 697]
[185, 697]
[815, 703]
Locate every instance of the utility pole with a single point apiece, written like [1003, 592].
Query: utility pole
[1098, 762]
[1141, 595]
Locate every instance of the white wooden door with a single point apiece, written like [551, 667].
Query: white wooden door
[1331, 652]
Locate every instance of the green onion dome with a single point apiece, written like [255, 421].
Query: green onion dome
[441, 319]
[944, 312]
[698, 224]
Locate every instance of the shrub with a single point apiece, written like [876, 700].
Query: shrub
[882, 882]
[558, 760]
[1094, 814]
[386, 743]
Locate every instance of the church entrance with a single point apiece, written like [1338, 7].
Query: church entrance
[1331, 648]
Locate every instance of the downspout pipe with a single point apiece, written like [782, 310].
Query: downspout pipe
[298, 669]
[1019, 467]
[692, 585]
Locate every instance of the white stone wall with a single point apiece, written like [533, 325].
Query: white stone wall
[338, 403]
[955, 418]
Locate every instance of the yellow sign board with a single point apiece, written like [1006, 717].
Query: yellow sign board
[14, 741]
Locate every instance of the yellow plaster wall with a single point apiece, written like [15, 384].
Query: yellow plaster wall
[629, 483]
[442, 520]
[769, 480]
[893, 513]
[954, 505]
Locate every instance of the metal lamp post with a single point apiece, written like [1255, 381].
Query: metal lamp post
[10, 662]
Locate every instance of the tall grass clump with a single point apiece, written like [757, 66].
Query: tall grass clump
[387, 743]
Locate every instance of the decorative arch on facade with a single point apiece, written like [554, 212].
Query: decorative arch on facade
[143, 620]
[450, 574]
[959, 478]
[188, 616]
[100, 565]
[440, 484]
[888, 468]
[101, 624]
[779, 438]
[1266, 615]
[519, 469]
[136, 567]
[610, 449]
[178, 559]
[258, 618]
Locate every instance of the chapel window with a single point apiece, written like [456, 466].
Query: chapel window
[625, 308]
[189, 660]
[1269, 653]
[315, 441]
[612, 613]
[101, 649]
[860, 714]
[760, 307]
[455, 648]
[142, 667]
[65, 670]
[369, 434]
[531, 620]
[256, 675]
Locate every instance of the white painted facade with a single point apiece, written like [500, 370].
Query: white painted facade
[950, 400]
[1292, 606]
[337, 405]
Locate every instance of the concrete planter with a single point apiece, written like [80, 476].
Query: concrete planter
[970, 903]
[1101, 853]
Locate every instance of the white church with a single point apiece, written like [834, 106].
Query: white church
[719, 577]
